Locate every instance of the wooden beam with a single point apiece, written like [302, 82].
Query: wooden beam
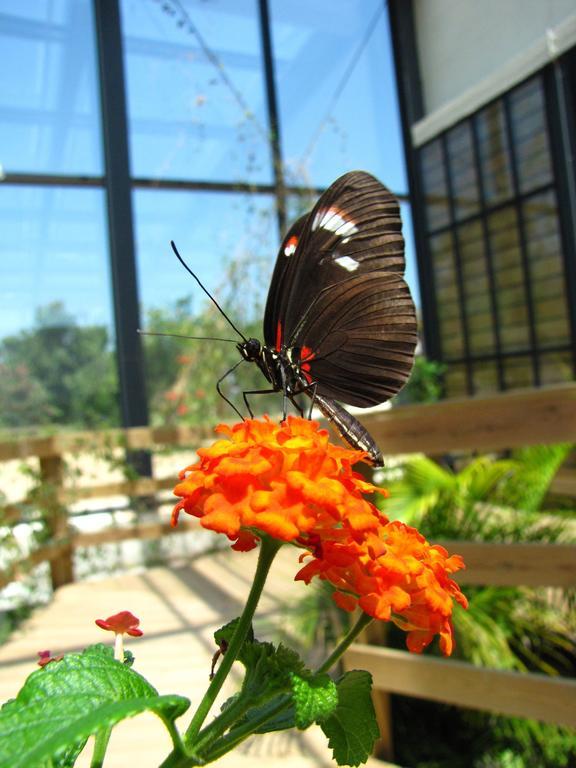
[514, 565]
[139, 531]
[134, 438]
[504, 420]
[55, 550]
[564, 482]
[498, 422]
[535, 696]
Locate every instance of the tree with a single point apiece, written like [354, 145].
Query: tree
[59, 373]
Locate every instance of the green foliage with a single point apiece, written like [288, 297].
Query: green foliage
[181, 374]
[352, 729]
[58, 373]
[66, 701]
[315, 699]
[524, 629]
[425, 382]
[279, 692]
[488, 500]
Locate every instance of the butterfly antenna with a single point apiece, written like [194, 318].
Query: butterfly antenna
[183, 336]
[206, 291]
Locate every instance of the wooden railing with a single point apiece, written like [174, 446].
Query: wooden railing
[480, 424]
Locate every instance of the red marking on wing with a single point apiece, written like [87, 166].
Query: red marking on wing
[290, 245]
[279, 336]
[306, 354]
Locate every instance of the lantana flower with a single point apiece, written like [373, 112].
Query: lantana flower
[287, 481]
[122, 623]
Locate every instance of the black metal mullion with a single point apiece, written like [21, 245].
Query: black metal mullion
[517, 203]
[488, 253]
[484, 357]
[142, 182]
[458, 265]
[273, 121]
[410, 101]
[134, 407]
[495, 207]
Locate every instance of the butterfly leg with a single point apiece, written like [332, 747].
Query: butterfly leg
[223, 396]
[255, 392]
[310, 390]
[295, 403]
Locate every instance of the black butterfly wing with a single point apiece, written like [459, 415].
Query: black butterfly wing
[357, 342]
[280, 278]
[338, 296]
[354, 228]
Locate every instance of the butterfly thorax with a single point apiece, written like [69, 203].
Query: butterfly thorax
[281, 367]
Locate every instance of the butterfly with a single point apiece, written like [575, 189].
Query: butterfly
[339, 323]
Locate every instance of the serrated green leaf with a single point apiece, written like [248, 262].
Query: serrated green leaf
[352, 728]
[315, 699]
[65, 702]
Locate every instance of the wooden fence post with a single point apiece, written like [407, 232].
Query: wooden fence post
[56, 517]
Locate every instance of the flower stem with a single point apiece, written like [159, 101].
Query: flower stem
[268, 549]
[100, 745]
[242, 732]
[343, 645]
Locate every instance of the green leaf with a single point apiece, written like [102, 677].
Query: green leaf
[315, 699]
[352, 728]
[66, 701]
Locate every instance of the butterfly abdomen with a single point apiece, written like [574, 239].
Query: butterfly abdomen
[350, 429]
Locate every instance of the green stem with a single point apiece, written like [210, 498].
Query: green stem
[343, 645]
[237, 735]
[268, 549]
[241, 733]
[100, 745]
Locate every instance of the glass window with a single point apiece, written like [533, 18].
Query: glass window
[455, 381]
[336, 91]
[447, 296]
[230, 242]
[509, 280]
[49, 107]
[477, 302]
[462, 171]
[528, 117]
[485, 375]
[56, 348]
[494, 154]
[435, 185]
[518, 372]
[556, 367]
[548, 280]
[513, 296]
[196, 90]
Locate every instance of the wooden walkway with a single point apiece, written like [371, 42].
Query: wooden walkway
[179, 608]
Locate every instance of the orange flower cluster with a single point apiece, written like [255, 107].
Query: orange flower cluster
[289, 482]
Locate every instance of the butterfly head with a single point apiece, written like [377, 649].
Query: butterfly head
[251, 350]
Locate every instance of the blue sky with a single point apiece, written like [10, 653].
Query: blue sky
[191, 117]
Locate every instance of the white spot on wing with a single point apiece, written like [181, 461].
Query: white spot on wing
[332, 220]
[347, 263]
[290, 249]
